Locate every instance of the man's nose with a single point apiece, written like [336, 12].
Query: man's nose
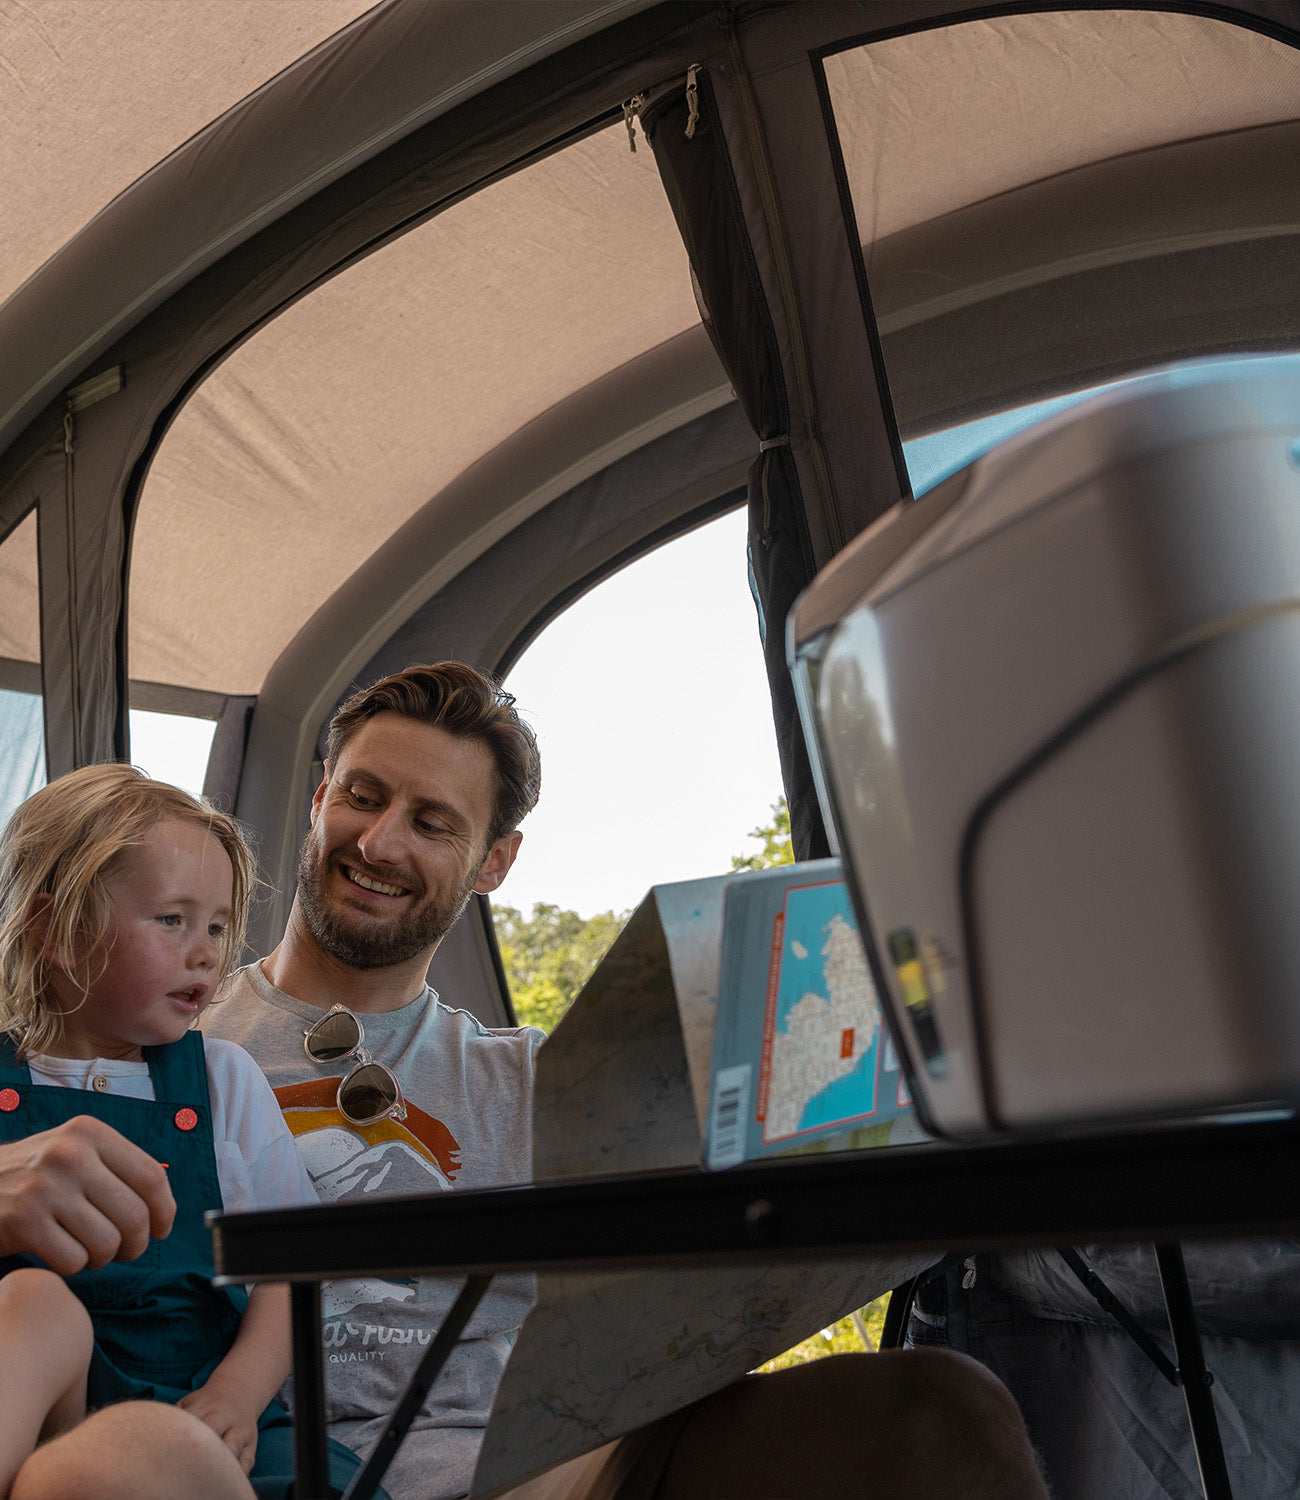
[382, 842]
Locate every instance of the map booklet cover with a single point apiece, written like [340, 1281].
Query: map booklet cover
[800, 1052]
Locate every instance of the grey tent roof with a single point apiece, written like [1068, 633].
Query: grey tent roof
[305, 450]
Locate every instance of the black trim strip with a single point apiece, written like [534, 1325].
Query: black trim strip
[1169, 1182]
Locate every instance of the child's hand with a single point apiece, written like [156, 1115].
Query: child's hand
[221, 1408]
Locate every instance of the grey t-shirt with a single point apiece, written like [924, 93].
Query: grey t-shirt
[468, 1091]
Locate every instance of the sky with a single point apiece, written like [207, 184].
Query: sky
[651, 709]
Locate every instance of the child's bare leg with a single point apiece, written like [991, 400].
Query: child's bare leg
[46, 1337]
[136, 1450]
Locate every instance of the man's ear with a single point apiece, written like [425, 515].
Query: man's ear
[318, 796]
[496, 866]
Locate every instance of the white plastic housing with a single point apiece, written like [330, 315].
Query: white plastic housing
[1056, 709]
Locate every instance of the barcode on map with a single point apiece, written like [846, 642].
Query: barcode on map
[730, 1112]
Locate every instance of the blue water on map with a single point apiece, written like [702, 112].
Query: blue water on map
[809, 913]
[854, 1094]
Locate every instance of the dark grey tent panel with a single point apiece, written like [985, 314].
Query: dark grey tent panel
[744, 151]
[1105, 1420]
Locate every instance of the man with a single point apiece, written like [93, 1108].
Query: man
[427, 777]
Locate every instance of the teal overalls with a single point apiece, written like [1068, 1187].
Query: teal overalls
[161, 1327]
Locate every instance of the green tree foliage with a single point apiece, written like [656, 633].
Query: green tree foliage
[840, 1338]
[775, 840]
[547, 956]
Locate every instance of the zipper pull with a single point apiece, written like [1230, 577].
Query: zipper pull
[631, 110]
[692, 99]
[968, 1273]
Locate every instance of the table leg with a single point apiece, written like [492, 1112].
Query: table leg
[309, 1463]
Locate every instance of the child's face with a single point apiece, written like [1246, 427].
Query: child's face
[170, 901]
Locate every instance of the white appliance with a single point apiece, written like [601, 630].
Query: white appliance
[1054, 707]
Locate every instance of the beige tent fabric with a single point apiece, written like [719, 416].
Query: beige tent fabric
[936, 120]
[20, 631]
[308, 448]
[328, 429]
[93, 95]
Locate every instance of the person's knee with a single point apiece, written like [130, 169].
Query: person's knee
[951, 1407]
[136, 1450]
[949, 1381]
[937, 1382]
[936, 1425]
[42, 1303]
[47, 1297]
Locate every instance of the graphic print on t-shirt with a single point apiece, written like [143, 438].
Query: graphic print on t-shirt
[366, 1319]
[390, 1158]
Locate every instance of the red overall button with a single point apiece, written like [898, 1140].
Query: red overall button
[186, 1119]
[8, 1099]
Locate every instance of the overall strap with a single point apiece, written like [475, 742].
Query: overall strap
[179, 1071]
[13, 1074]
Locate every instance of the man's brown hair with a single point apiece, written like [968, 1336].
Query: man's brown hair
[469, 704]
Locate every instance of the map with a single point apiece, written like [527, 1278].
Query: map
[821, 1033]
[602, 1354]
[623, 1084]
[800, 1054]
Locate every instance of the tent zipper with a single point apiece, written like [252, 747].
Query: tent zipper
[633, 108]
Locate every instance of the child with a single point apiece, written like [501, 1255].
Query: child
[122, 906]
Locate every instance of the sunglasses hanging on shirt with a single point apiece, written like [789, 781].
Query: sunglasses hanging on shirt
[368, 1092]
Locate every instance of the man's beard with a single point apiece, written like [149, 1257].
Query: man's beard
[371, 942]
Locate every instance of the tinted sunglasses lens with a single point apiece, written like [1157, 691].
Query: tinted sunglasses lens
[368, 1094]
[334, 1036]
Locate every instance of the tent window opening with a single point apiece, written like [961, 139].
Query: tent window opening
[22, 730]
[168, 747]
[933, 458]
[1092, 194]
[172, 747]
[22, 749]
[651, 708]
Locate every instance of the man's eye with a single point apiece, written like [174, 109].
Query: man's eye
[362, 799]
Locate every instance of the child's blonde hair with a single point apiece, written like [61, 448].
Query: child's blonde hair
[61, 844]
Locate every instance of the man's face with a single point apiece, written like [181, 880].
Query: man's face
[398, 842]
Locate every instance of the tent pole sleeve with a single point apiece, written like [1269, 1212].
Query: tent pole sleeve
[81, 551]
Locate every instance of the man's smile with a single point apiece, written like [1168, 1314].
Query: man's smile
[372, 882]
